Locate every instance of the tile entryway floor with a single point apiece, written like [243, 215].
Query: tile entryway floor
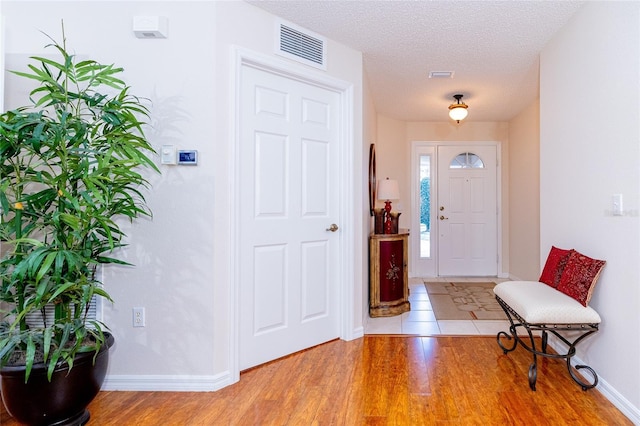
[421, 320]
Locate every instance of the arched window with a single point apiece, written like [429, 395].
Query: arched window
[466, 160]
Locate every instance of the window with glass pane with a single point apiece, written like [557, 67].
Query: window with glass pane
[467, 160]
[425, 206]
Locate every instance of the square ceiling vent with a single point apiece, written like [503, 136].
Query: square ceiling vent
[301, 45]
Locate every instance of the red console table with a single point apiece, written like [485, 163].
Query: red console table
[388, 275]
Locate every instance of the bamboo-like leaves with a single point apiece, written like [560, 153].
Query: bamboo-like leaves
[71, 165]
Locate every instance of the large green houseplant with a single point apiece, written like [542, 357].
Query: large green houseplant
[71, 168]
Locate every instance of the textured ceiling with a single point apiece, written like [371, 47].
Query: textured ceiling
[492, 46]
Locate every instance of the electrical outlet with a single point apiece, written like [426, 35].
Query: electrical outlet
[138, 317]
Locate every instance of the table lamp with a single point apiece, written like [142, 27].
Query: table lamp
[388, 191]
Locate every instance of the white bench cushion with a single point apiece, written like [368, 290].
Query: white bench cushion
[539, 303]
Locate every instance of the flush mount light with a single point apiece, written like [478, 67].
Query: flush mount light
[458, 111]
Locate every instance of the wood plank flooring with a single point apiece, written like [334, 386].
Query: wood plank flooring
[376, 380]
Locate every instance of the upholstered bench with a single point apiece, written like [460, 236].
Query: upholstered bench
[557, 304]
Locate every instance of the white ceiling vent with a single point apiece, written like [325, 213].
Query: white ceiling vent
[441, 74]
[301, 45]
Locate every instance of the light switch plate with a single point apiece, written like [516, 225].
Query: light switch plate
[617, 205]
[168, 154]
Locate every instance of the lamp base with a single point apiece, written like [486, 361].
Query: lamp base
[388, 226]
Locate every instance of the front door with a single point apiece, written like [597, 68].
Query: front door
[466, 211]
[288, 203]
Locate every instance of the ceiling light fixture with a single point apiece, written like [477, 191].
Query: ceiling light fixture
[458, 111]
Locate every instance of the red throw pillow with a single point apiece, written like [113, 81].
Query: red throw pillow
[579, 277]
[554, 266]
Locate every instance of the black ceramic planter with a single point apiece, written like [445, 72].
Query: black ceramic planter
[61, 402]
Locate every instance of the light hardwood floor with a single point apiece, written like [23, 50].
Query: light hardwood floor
[376, 380]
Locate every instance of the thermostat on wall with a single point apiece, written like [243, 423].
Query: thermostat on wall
[188, 157]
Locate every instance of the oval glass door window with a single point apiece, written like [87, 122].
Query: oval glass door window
[466, 160]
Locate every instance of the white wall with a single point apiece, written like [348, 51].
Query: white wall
[393, 154]
[590, 150]
[524, 194]
[182, 274]
[369, 128]
[173, 253]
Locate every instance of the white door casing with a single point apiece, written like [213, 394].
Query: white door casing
[292, 155]
[466, 213]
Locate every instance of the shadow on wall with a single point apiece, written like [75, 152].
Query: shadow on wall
[179, 288]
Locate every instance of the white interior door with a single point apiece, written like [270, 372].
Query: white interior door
[288, 202]
[467, 210]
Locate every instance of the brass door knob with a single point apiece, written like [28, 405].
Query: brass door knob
[443, 218]
[332, 228]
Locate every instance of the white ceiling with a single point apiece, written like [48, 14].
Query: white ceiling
[492, 46]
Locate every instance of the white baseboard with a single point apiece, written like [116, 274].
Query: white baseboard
[357, 333]
[167, 383]
[181, 383]
[621, 403]
[608, 391]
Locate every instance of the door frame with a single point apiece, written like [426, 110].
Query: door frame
[415, 200]
[346, 200]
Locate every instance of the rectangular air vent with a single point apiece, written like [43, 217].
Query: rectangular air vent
[35, 318]
[441, 74]
[301, 45]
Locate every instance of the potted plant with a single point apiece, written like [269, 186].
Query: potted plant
[71, 167]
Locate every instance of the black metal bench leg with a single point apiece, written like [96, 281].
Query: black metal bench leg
[533, 368]
[572, 371]
[533, 373]
[516, 321]
[585, 386]
[513, 336]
